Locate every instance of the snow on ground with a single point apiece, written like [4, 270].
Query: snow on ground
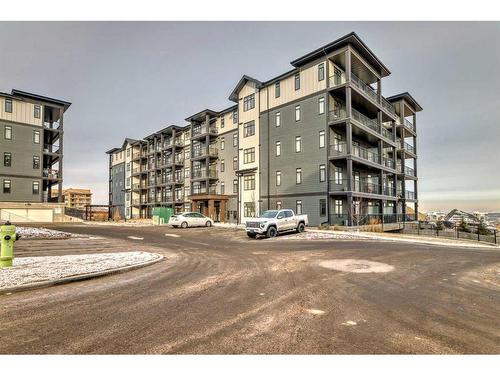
[323, 235]
[30, 233]
[145, 223]
[39, 269]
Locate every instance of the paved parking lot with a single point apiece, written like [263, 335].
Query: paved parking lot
[219, 292]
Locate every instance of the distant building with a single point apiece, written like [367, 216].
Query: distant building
[456, 216]
[435, 216]
[77, 198]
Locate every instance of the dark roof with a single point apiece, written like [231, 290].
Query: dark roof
[351, 38]
[234, 94]
[25, 94]
[406, 96]
[204, 112]
[113, 150]
[130, 141]
[281, 76]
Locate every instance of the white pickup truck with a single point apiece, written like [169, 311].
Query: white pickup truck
[272, 222]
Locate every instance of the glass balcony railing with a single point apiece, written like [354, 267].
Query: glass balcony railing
[203, 129]
[337, 79]
[371, 123]
[362, 185]
[370, 91]
[203, 173]
[202, 151]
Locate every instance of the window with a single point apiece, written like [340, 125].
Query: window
[222, 143]
[338, 176]
[35, 188]
[249, 155]
[235, 139]
[235, 116]
[128, 167]
[278, 205]
[6, 186]
[321, 72]
[298, 144]
[222, 165]
[322, 207]
[249, 209]
[36, 162]
[235, 163]
[338, 206]
[187, 193]
[321, 139]
[186, 153]
[278, 148]
[128, 151]
[297, 113]
[186, 173]
[235, 186]
[222, 122]
[321, 103]
[248, 102]
[297, 81]
[36, 111]
[8, 105]
[298, 175]
[249, 129]
[278, 119]
[249, 182]
[277, 90]
[298, 207]
[278, 178]
[7, 159]
[322, 173]
[7, 133]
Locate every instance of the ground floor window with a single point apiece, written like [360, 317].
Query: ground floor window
[322, 207]
[298, 207]
[36, 188]
[278, 205]
[337, 208]
[6, 186]
[249, 209]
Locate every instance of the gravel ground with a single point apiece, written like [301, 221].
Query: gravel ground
[38, 269]
[28, 232]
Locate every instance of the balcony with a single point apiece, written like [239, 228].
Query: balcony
[203, 173]
[204, 190]
[51, 174]
[51, 149]
[409, 148]
[407, 124]
[366, 121]
[372, 94]
[362, 185]
[53, 125]
[203, 129]
[366, 154]
[202, 151]
[337, 79]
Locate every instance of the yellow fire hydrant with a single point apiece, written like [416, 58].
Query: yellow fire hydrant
[7, 238]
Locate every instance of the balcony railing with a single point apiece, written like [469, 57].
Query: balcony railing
[51, 149]
[203, 129]
[204, 190]
[370, 91]
[179, 159]
[409, 148]
[371, 123]
[409, 171]
[366, 154]
[388, 105]
[387, 134]
[409, 125]
[202, 151]
[338, 113]
[387, 162]
[362, 185]
[51, 173]
[369, 218]
[212, 173]
[51, 124]
[337, 79]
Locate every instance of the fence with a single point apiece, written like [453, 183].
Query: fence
[473, 234]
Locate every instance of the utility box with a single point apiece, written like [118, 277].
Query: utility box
[161, 215]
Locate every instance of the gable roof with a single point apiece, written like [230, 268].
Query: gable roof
[234, 94]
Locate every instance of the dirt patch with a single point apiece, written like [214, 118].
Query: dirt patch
[356, 266]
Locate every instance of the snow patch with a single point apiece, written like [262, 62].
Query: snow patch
[315, 311]
[356, 266]
[30, 233]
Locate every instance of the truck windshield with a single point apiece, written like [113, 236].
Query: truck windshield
[269, 214]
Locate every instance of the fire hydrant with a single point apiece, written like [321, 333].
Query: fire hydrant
[7, 238]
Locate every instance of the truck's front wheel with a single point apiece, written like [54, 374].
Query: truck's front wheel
[301, 227]
[271, 232]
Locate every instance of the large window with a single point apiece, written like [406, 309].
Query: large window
[235, 116]
[298, 207]
[278, 178]
[249, 209]
[235, 139]
[249, 129]
[222, 122]
[278, 148]
[36, 162]
[7, 159]
[7, 132]
[321, 72]
[235, 163]
[278, 119]
[338, 176]
[6, 186]
[8, 105]
[235, 186]
[249, 155]
[298, 175]
[222, 144]
[297, 81]
[222, 165]
[321, 139]
[35, 187]
[322, 173]
[249, 182]
[222, 188]
[248, 102]
[322, 207]
[297, 113]
[36, 111]
[298, 144]
[337, 208]
[277, 90]
[321, 104]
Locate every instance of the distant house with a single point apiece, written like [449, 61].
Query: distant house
[77, 198]
[435, 216]
[456, 216]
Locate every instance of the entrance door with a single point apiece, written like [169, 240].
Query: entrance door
[216, 211]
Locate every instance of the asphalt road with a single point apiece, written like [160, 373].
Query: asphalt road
[219, 292]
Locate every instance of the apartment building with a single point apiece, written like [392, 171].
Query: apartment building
[77, 198]
[31, 147]
[320, 138]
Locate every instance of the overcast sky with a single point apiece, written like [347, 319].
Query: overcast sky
[131, 79]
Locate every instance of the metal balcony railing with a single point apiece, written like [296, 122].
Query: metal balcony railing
[409, 148]
[409, 125]
[204, 190]
[362, 185]
[366, 154]
[409, 171]
[371, 123]
[51, 173]
[337, 79]
[51, 124]
[202, 151]
[338, 113]
[370, 91]
[203, 129]
[212, 173]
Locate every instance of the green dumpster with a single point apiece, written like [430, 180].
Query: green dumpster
[161, 215]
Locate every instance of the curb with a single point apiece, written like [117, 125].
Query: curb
[86, 276]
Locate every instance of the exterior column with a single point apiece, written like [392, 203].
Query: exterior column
[211, 209]
[349, 155]
[223, 211]
[350, 209]
[61, 153]
[348, 64]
